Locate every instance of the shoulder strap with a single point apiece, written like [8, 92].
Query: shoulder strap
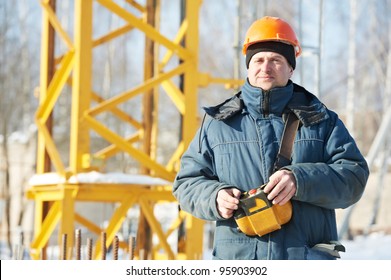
[286, 146]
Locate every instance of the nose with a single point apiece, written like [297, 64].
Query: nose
[265, 66]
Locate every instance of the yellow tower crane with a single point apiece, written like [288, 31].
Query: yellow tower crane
[58, 187]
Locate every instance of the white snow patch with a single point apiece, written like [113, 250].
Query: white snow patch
[97, 177]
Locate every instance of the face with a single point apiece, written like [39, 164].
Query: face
[268, 70]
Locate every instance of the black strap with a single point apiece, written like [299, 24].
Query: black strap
[286, 146]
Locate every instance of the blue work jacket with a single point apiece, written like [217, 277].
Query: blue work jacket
[237, 146]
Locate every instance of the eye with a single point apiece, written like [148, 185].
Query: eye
[277, 60]
[259, 60]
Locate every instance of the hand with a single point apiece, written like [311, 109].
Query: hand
[227, 202]
[281, 187]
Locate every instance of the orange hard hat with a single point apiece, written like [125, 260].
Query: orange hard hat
[271, 29]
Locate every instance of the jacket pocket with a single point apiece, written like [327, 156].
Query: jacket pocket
[319, 252]
[234, 251]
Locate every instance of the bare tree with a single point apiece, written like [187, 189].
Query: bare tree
[7, 66]
[16, 88]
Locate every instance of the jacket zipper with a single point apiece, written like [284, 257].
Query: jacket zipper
[266, 103]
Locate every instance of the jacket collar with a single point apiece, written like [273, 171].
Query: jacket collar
[304, 104]
[307, 107]
[260, 103]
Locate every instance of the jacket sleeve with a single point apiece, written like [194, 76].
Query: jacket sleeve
[340, 180]
[196, 185]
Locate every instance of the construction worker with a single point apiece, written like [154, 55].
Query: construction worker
[236, 148]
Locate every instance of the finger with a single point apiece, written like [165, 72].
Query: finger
[278, 197]
[279, 181]
[278, 187]
[286, 198]
[228, 205]
[274, 179]
[280, 191]
[225, 213]
[230, 195]
[225, 200]
[285, 194]
[276, 191]
[269, 186]
[236, 193]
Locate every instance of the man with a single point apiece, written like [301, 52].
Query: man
[236, 148]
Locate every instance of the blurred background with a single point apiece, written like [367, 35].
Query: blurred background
[150, 67]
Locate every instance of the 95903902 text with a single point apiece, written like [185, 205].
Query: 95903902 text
[184, 271]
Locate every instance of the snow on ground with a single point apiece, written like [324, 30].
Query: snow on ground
[376, 246]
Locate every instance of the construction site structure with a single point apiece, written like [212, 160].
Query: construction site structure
[55, 198]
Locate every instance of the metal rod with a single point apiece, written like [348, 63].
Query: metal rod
[89, 248]
[116, 246]
[64, 246]
[78, 244]
[132, 246]
[103, 245]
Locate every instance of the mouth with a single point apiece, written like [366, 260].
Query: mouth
[266, 77]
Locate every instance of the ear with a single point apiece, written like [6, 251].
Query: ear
[290, 72]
